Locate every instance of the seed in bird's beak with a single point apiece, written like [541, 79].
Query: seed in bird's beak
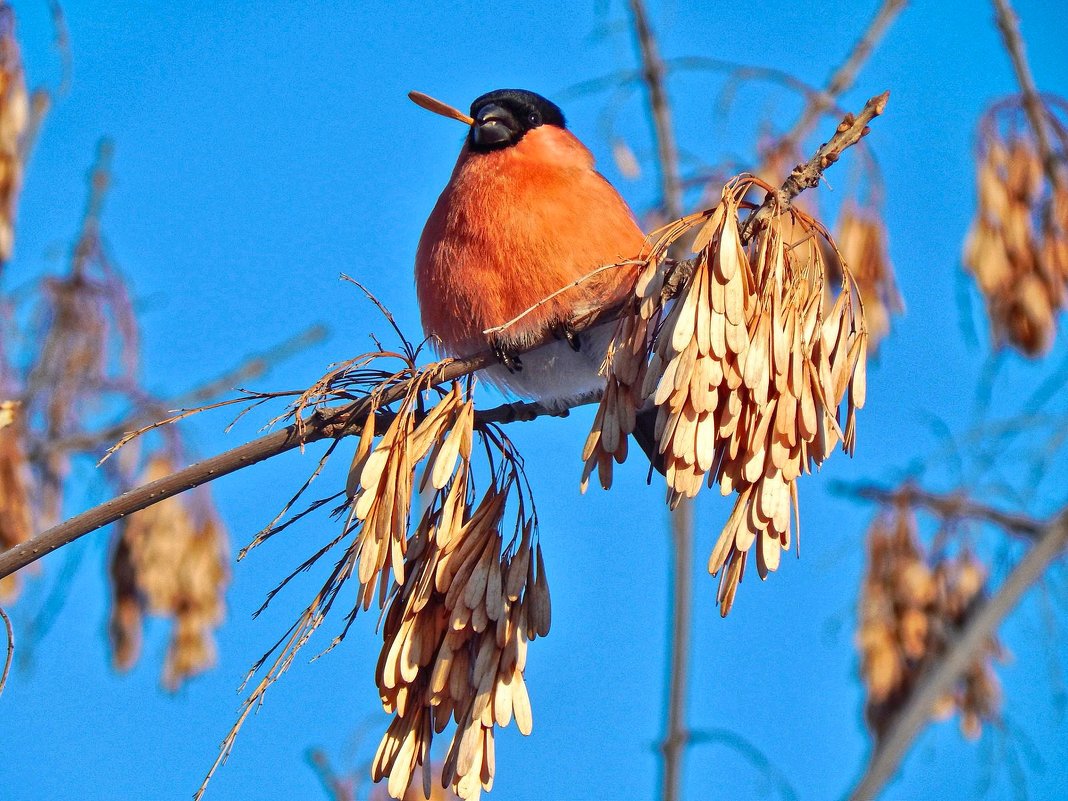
[437, 107]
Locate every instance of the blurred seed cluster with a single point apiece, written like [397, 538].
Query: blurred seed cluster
[1017, 247]
[68, 364]
[749, 372]
[913, 604]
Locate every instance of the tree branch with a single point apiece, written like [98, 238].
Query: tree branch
[915, 714]
[347, 420]
[955, 506]
[1009, 25]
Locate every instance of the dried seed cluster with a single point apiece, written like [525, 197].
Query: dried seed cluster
[14, 120]
[912, 606]
[463, 602]
[862, 244]
[16, 522]
[169, 560]
[748, 373]
[1017, 246]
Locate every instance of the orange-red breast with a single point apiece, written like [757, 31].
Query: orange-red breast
[524, 215]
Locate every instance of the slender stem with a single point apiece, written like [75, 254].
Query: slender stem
[808, 175]
[914, 715]
[253, 367]
[677, 736]
[10, 649]
[653, 72]
[673, 746]
[1009, 25]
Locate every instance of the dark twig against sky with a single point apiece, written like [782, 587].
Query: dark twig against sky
[653, 73]
[806, 176]
[953, 506]
[10, 650]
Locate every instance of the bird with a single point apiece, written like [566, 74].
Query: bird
[524, 215]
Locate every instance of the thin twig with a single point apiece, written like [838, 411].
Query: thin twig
[806, 176]
[842, 78]
[1009, 25]
[954, 506]
[914, 715]
[347, 420]
[10, 650]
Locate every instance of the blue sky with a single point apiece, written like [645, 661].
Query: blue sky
[263, 149]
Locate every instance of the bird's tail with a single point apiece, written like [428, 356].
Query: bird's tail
[645, 435]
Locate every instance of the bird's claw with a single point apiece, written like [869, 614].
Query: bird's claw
[565, 331]
[508, 357]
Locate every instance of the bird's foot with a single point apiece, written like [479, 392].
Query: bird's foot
[507, 356]
[565, 331]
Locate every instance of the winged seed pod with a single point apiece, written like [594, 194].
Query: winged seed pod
[746, 370]
[911, 609]
[169, 560]
[1017, 246]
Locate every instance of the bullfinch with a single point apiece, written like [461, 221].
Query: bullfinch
[523, 216]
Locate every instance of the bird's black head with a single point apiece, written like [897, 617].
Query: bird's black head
[502, 117]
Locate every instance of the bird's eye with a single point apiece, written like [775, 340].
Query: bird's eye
[534, 118]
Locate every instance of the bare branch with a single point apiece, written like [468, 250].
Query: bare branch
[251, 368]
[677, 734]
[915, 714]
[954, 506]
[1009, 25]
[842, 78]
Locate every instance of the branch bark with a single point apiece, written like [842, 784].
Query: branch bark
[347, 420]
[899, 735]
[653, 72]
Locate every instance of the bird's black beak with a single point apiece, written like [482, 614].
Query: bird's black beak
[493, 126]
